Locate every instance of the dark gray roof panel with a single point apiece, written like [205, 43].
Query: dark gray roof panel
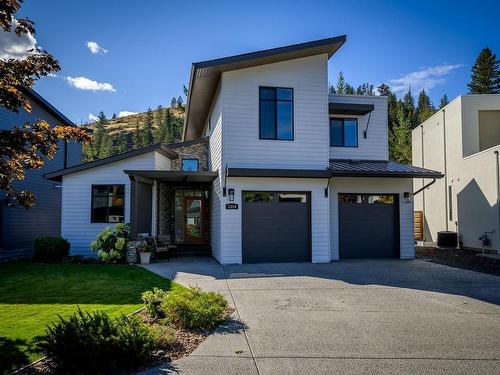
[205, 75]
[161, 148]
[350, 108]
[378, 168]
[174, 176]
[33, 95]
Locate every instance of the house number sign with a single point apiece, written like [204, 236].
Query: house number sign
[231, 206]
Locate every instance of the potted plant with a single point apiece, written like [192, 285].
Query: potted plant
[144, 249]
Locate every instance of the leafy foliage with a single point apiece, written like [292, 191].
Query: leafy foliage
[95, 343]
[485, 77]
[192, 308]
[400, 137]
[27, 146]
[152, 300]
[50, 249]
[111, 244]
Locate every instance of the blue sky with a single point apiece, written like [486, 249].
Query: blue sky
[150, 45]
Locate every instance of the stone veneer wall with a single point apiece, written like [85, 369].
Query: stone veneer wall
[198, 150]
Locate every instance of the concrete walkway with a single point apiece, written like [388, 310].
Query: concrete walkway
[356, 317]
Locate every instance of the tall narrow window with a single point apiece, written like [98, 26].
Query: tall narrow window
[108, 204]
[276, 113]
[450, 203]
[343, 132]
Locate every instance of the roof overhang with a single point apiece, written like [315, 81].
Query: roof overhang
[162, 149]
[350, 109]
[205, 75]
[172, 176]
[379, 168]
[37, 98]
[283, 173]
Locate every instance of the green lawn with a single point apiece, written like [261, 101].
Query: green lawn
[31, 296]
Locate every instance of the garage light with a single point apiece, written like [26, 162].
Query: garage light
[231, 194]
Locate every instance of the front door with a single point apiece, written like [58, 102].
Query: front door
[194, 219]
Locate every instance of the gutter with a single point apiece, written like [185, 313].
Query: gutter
[424, 187]
[497, 157]
[445, 173]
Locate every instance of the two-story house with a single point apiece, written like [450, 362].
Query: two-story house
[19, 226]
[271, 169]
[462, 140]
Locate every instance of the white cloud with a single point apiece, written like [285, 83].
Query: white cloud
[84, 83]
[15, 47]
[126, 113]
[93, 117]
[96, 49]
[426, 78]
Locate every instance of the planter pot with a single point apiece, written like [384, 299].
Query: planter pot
[145, 258]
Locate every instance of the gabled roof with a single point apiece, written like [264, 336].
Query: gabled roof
[378, 168]
[161, 148]
[37, 98]
[205, 75]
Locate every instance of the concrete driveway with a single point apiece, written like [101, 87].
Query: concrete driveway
[350, 317]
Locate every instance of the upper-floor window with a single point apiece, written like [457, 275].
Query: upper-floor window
[108, 204]
[343, 132]
[189, 165]
[276, 113]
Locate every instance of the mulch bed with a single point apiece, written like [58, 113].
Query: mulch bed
[466, 259]
[187, 342]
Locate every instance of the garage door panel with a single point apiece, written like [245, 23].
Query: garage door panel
[275, 231]
[368, 230]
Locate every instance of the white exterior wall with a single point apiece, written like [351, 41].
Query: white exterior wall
[375, 145]
[215, 164]
[320, 221]
[471, 174]
[162, 162]
[240, 96]
[76, 199]
[374, 185]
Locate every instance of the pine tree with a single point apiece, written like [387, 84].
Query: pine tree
[107, 146]
[173, 102]
[365, 89]
[137, 137]
[400, 137]
[409, 107]
[332, 89]
[186, 90]
[147, 132]
[444, 101]
[425, 109]
[169, 131]
[485, 77]
[180, 102]
[121, 143]
[341, 84]
[384, 89]
[114, 116]
[160, 129]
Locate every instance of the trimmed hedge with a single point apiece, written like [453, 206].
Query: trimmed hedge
[50, 249]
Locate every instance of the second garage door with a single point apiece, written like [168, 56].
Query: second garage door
[276, 227]
[368, 226]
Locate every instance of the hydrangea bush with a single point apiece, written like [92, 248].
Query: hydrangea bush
[111, 244]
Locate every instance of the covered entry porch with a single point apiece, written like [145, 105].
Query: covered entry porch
[173, 203]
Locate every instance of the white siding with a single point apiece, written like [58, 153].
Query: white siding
[231, 219]
[76, 199]
[375, 185]
[375, 145]
[162, 162]
[240, 93]
[215, 164]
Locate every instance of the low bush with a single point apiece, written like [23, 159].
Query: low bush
[164, 335]
[111, 244]
[95, 343]
[152, 300]
[50, 249]
[192, 308]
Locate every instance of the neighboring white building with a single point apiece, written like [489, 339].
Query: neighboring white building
[462, 140]
[272, 168]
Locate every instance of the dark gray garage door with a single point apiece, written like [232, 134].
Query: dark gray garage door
[368, 226]
[276, 227]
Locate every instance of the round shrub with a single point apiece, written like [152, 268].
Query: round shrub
[94, 343]
[111, 244]
[191, 308]
[152, 300]
[50, 249]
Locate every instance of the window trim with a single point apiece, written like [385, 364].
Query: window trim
[92, 220]
[343, 131]
[275, 88]
[197, 164]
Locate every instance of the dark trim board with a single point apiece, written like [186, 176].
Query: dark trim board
[350, 109]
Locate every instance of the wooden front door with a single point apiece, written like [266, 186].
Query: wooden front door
[194, 219]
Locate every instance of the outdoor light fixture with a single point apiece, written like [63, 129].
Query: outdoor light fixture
[407, 196]
[231, 194]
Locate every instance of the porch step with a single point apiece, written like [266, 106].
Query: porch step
[193, 250]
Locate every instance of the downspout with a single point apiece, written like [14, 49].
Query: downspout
[498, 187]
[445, 172]
[423, 180]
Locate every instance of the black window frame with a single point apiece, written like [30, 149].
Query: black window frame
[343, 131]
[190, 159]
[276, 113]
[92, 220]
